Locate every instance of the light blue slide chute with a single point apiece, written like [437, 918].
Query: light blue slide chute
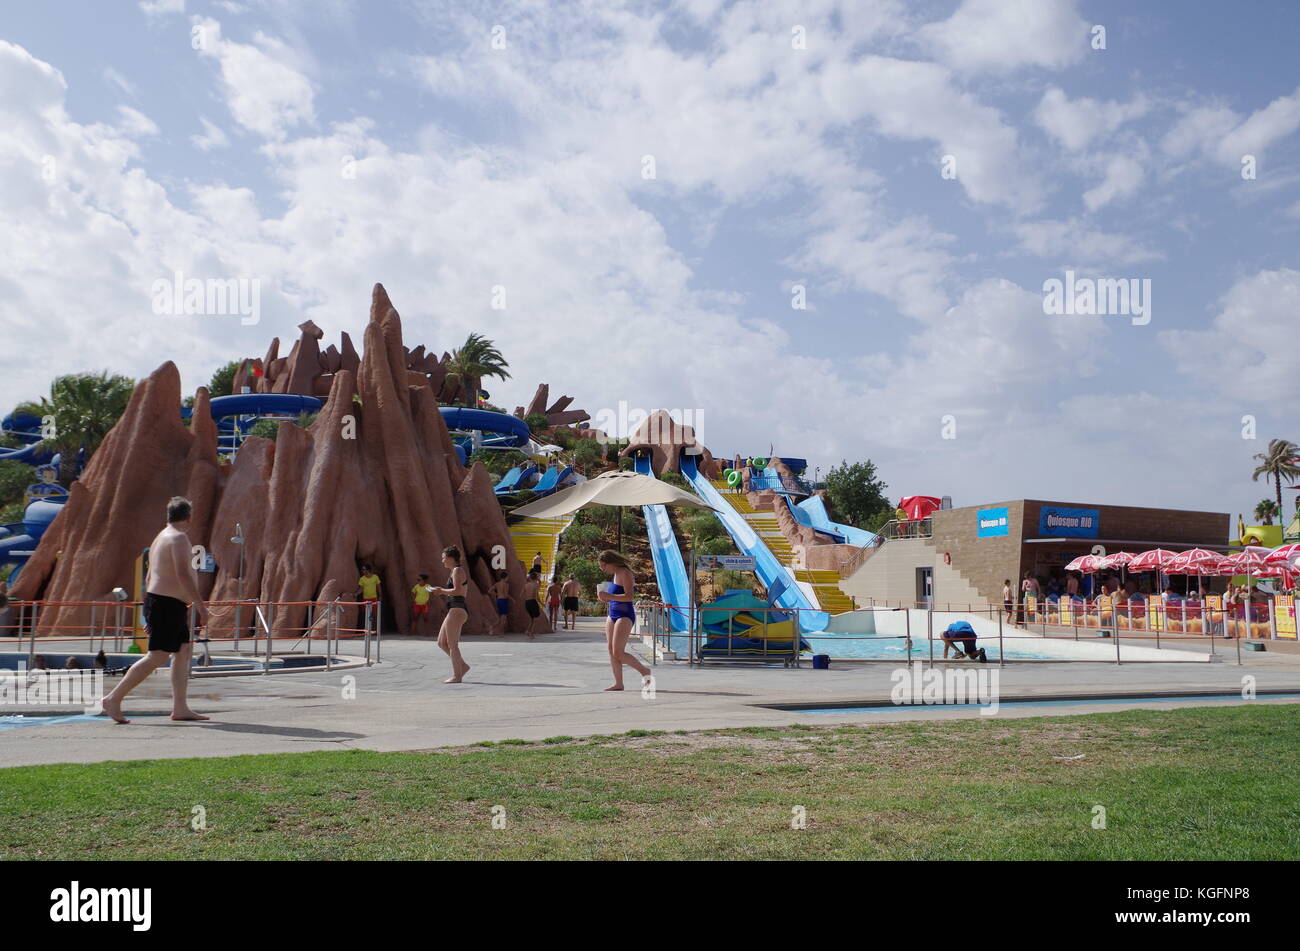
[670, 570]
[781, 588]
[811, 512]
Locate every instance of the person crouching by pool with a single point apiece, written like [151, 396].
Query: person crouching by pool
[449, 633]
[500, 598]
[420, 606]
[621, 617]
[960, 636]
[169, 591]
[569, 592]
[532, 585]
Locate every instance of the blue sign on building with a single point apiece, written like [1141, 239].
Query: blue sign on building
[1068, 523]
[992, 522]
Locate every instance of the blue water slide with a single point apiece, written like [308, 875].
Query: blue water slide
[511, 430]
[28, 429]
[514, 479]
[549, 480]
[670, 570]
[509, 480]
[17, 548]
[263, 404]
[781, 588]
[811, 512]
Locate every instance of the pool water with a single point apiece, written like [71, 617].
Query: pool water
[14, 722]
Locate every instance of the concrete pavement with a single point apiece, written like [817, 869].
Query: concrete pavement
[554, 686]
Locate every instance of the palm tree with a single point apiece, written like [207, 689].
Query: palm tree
[1279, 462]
[82, 407]
[1265, 511]
[478, 358]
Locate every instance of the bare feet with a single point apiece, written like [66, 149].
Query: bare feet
[458, 677]
[615, 687]
[111, 708]
[189, 715]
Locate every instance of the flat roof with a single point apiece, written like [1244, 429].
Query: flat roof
[1086, 505]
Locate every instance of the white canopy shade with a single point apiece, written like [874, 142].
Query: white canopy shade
[611, 488]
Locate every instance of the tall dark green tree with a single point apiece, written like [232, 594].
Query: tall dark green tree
[856, 493]
[475, 360]
[223, 380]
[1279, 462]
[82, 407]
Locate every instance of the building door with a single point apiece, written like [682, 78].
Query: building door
[925, 586]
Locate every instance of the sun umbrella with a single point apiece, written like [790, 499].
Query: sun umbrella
[1286, 556]
[612, 488]
[1085, 563]
[1120, 560]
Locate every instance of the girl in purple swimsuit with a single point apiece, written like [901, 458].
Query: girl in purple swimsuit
[618, 625]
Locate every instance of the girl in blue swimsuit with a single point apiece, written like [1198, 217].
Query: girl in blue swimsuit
[618, 625]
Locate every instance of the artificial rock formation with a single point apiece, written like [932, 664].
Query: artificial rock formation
[374, 479]
[666, 439]
[557, 414]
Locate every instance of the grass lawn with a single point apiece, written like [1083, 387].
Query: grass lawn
[1209, 783]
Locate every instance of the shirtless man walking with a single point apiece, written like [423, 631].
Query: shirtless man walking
[169, 590]
[569, 592]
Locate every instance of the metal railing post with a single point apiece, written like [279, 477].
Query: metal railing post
[1117, 660]
[929, 633]
[1002, 653]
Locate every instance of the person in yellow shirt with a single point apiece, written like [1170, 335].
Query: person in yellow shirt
[420, 609]
[368, 591]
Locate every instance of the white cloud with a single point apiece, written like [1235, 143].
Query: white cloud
[1220, 134]
[264, 92]
[1124, 177]
[212, 137]
[135, 123]
[1248, 352]
[1076, 123]
[1074, 244]
[160, 7]
[1003, 35]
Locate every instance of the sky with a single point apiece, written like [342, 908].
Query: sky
[823, 229]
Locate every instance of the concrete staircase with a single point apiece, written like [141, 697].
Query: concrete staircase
[825, 584]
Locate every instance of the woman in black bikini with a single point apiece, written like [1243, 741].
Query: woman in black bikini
[449, 633]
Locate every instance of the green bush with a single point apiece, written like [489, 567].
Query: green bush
[702, 526]
[266, 428]
[677, 479]
[15, 477]
[714, 546]
[586, 571]
[726, 580]
[223, 380]
[536, 421]
[582, 536]
[11, 513]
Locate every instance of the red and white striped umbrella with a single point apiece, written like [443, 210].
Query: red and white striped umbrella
[1153, 560]
[1120, 559]
[1287, 555]
[1197, 561]
[1247, 560]
[1085, 563]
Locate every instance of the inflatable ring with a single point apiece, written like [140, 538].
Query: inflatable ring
[726, 473]
[734, 479]
[758, 462]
